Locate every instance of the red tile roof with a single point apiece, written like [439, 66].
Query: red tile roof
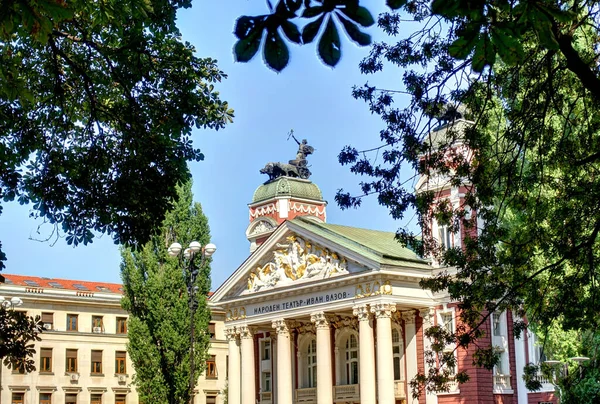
[67, 284]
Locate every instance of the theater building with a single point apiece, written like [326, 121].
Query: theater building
[324, 313]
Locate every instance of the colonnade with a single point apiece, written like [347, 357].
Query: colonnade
[373, 389]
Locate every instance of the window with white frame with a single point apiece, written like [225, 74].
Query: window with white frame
[500, 344]
[446, 321]
[266, 349]
[351, 360]
[445, 237]
[398, 352]
[266, 381]
[311, 362]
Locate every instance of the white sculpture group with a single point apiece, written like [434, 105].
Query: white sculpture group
[298, 259]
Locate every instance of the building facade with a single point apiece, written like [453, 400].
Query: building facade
[82, 357]
[323, 313]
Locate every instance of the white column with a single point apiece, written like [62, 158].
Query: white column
[324, 377]
[234, 386]
[248, 366]
[284, 363]
[410, 332]
[385, 353]
[427, 316]
[366, 345]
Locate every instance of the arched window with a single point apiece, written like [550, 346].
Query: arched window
[351, 360]
[398, 352]
[311, 360]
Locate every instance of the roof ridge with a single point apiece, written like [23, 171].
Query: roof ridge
[320, 225]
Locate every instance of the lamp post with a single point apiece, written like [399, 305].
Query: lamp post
[190, 254]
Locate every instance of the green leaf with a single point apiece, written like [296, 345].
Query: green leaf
[484, 54]
[508, 47]
[329, 44]
[291, 32]
[276, 52]
[245, 25]
[310, 30]
[395, 4]
[310, 12]
[543, 28]
[355, 33]
[360, 15]
[246, 48]
[462, 47]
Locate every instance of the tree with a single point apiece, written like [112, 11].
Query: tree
[97, 106]
[528, 77]
[155, 295]
[17, 331]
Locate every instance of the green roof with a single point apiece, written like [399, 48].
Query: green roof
[380, 246]
[287, 186]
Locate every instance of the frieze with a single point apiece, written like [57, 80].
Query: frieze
[263, 211]
[238, 313]
[373, 289]
[298, 259]
[262, 227]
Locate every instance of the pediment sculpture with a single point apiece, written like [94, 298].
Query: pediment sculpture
[298, 259]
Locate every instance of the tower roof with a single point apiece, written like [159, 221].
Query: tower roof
[287, 187]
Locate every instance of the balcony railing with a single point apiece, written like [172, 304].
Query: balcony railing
[266, 397]
[399, 391]
[502, 381]
[307, 395]
[349, 392]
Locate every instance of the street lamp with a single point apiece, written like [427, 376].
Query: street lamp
[190, 254]
[12, 303]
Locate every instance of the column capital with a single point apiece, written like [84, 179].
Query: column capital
[362, 312]
[320, 320]
[383, 310]
[408, 317]
[427, 315]
[231, 333]
[281, 326]
[245, 331]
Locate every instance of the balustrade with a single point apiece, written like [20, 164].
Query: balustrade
[346, 392]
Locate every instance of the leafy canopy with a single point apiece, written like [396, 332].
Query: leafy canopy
[97, 105]
[527, 80]
[18, 333]
[156, 296]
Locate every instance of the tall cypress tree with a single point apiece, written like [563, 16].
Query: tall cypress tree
[156, 296]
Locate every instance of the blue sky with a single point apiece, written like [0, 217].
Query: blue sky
[308, 97]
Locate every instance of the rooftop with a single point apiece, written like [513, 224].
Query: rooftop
[63, 284]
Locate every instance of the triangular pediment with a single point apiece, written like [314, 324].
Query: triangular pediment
[288, 257]
[303, 252]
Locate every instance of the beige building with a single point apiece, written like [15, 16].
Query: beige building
[82, 357]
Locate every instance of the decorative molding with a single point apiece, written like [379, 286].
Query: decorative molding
[295, 260]
[237, 313]
[339, 322]
[320, 320]
[408, 317]
[245, 332]
[231, 333]
[372, 289]
[97, 389]
[34, 290]
[260, 227]
[281, 326]
[263, 210]
[46, 389]
[121, 390]
[362, 312]
[427, 314]
[72, 389]
[307, 209]
[383, 310]
[19, 389]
